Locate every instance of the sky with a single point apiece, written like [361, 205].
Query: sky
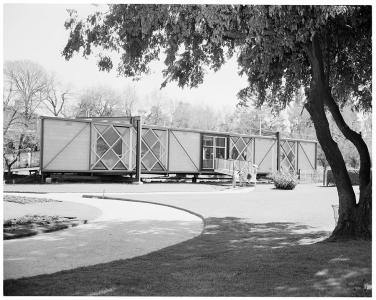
[36, 32]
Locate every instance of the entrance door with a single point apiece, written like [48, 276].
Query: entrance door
[212, 147]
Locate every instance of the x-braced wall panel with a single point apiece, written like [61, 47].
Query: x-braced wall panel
[241, 148]
[112, 147]
[154, 150]
[288, 156]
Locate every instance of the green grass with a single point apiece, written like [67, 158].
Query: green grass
[231, 258]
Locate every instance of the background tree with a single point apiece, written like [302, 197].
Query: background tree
[99, 102]
[28, 81]
[324, 49]
[128, 101]
[57, 96]
[156, 116]
[25, 85]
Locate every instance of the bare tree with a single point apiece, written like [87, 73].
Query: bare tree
[10, 111]
[56, 96]
[25, 86]
[29, 83]
[99, 102]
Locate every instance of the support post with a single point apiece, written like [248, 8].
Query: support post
[297, 157]
[41, 148]
[278, 151]
[316, 156]
[138, 150]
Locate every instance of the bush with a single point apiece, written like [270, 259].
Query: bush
[284, 181]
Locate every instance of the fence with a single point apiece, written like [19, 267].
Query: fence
[311, 176]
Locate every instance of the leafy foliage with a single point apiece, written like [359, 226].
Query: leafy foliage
[284, 181]
[271, 41]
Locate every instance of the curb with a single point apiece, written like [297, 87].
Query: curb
[151, 202]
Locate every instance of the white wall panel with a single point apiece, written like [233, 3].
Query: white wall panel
[266, 155]
[66, 145]
[306, 157]
[188, 160]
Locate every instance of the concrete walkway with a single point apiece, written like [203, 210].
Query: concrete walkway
[127, 229]
[308, 204]
[123, 230]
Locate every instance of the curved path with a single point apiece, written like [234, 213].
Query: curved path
[123, 230]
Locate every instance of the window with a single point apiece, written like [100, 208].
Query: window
[213, 147]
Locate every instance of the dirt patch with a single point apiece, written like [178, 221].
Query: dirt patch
[30, 225]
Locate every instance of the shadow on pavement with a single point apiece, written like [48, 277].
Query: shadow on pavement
[232, 257]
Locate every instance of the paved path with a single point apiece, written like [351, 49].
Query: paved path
[128, 229]
[123, 230]
[308, 204]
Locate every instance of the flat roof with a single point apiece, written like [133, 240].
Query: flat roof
[127, 121]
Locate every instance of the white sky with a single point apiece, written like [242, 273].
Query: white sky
[36, 32]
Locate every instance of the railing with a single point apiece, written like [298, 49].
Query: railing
[238, 168]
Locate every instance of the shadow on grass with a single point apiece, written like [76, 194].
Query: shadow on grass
[231, 258]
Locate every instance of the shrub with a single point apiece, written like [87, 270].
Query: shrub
[284, 181]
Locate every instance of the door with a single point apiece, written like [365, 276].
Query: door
[212, 147]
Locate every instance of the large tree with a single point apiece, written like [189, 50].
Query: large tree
[324, 49]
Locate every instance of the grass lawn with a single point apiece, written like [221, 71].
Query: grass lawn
[231, 258]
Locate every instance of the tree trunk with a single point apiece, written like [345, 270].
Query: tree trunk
[9, 166]
[355, 138]
[354, 220]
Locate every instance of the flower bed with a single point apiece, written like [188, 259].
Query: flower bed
[30, 225]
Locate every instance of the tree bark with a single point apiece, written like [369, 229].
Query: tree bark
[354, 220]
[356, 139]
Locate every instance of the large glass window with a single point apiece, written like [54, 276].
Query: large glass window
[213, 147]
